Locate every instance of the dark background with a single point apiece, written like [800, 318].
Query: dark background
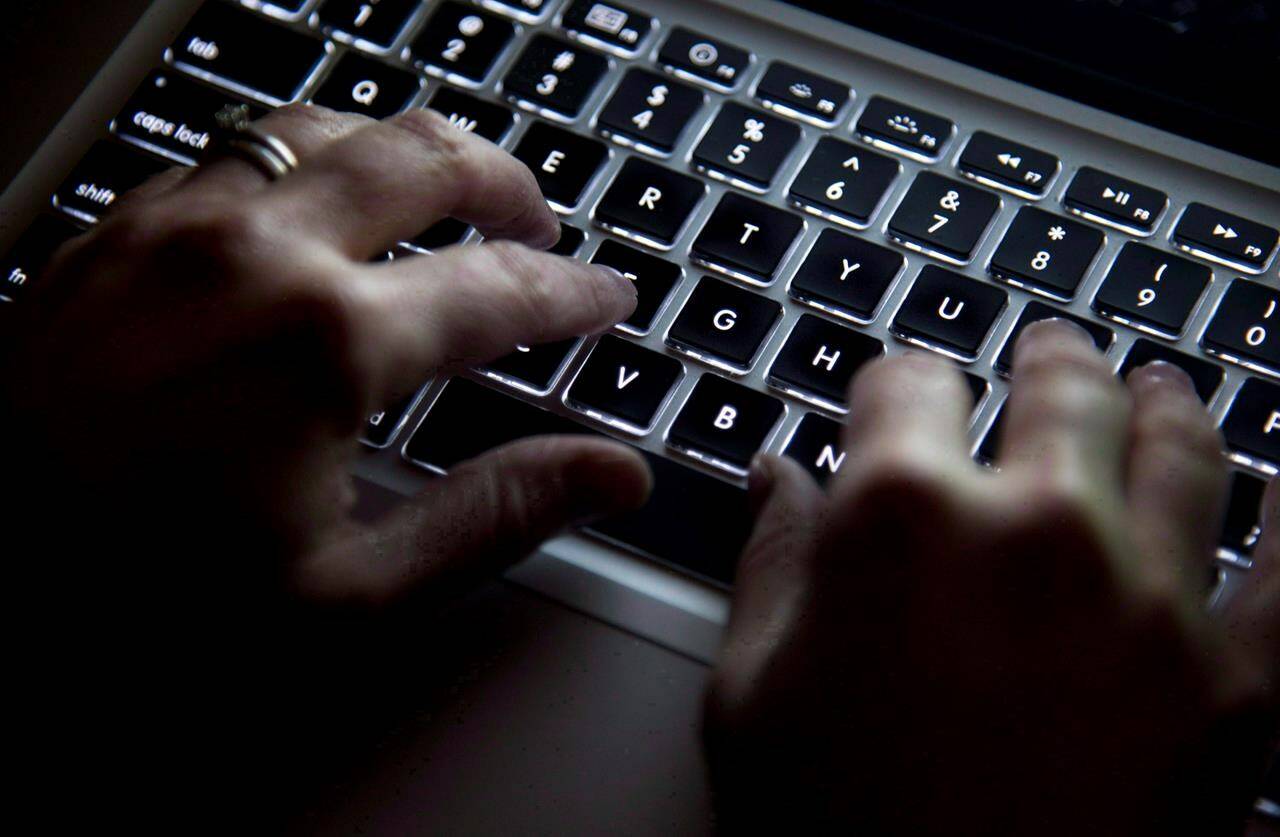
[49, 52]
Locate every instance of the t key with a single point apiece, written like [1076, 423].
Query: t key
[819, 360]
[948, 312]
[1148, 289]
[843, 182]
[1252, 425]
[724, 423]
[746, 239]
[624, 384]
[745, 146]
[943, 217]
[1243, 328]
[649, 203]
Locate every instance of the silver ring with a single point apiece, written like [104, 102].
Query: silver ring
[270, 154]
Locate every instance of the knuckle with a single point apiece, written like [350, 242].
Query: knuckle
[530, 293]
[429, 129]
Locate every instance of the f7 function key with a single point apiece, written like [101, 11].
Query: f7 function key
[1225, 238]
[1115, 201]
[1008, 165]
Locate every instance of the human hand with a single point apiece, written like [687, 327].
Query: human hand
[190, 378]
[933, 648]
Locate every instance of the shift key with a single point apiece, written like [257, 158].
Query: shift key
[174, 117]
[247, 53]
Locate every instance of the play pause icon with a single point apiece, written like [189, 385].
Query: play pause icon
[1121, 198]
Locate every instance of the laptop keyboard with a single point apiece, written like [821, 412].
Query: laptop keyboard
[748, 329]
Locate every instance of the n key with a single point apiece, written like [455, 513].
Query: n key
[624, 384]
[746, 239]
[1243, 330]
[1225, 238]
[1150, 290]
[815, 444]
[724, 423]
[819, 360]
[949, 313]
[1252, 425]
[247, 54]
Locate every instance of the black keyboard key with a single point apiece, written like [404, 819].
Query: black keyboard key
[792, 91]
[1242, 525]
[381, 428]
[843, 182]
[978, 387]
[989, 447]
[692, 521]
[1241, 328]
[943, 217]
[1115, 201]
[554, 76]
[467, 113]
[564, 163]
[174, 117]
[1222, 237]
[1046, 253]
[374, 24]
[1206, 376]
[649, 111]
[820, 358]
[906, 130]
[25, 262]
[709, 61]
[1252, 424]
[815, 444]
[106, 173]
[534, 368]
[724, 423]
[653, 277]
[615, 28]
[1148, 288]
[229, 45]
[746, 239]
[461, 43]
[649, 203]
[724, 325]
[530, 11]
[1004, 164]
[846, 275]
[1033, 312]
[441, 234]
[362, 85]
[949, 312]
[624, 383]
[571, 241]
[745, 146]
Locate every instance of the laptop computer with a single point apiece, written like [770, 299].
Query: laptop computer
[795, 188]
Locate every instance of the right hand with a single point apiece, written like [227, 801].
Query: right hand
[938, 649]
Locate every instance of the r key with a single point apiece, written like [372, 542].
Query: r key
[649, 203]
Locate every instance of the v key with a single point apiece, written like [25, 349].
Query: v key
[623, 384]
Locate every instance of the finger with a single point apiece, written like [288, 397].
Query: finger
[306, 129]
[1066, 420]
[486, 515]
[913, 408]
[1177, 480]
[771, 572]
[154, 188]
[470, 305]
[392, 180]
[1252, 620]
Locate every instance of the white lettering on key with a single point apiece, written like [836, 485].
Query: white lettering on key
[1273, 421]
[649, 200]
[824, 359]
[748, 229]
[725, 319]
[462, 123]
[552, 164]
[848, 268]
[829, 459]
[17, 277]
[942, 309]
[624, 379]
[725, 420]
[208, 50]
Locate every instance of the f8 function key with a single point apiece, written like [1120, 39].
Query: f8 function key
[1115, 201]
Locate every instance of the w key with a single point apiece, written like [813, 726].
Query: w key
[1243, 328]
[624, 382]
[819, 360]
[943, 218]
[247, 53]
[746, 239]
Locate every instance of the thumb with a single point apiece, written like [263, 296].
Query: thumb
[469, 526]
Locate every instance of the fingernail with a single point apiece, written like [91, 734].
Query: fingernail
[1162, 373]
[1056, 326]
[760, 480]
[617, 278]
